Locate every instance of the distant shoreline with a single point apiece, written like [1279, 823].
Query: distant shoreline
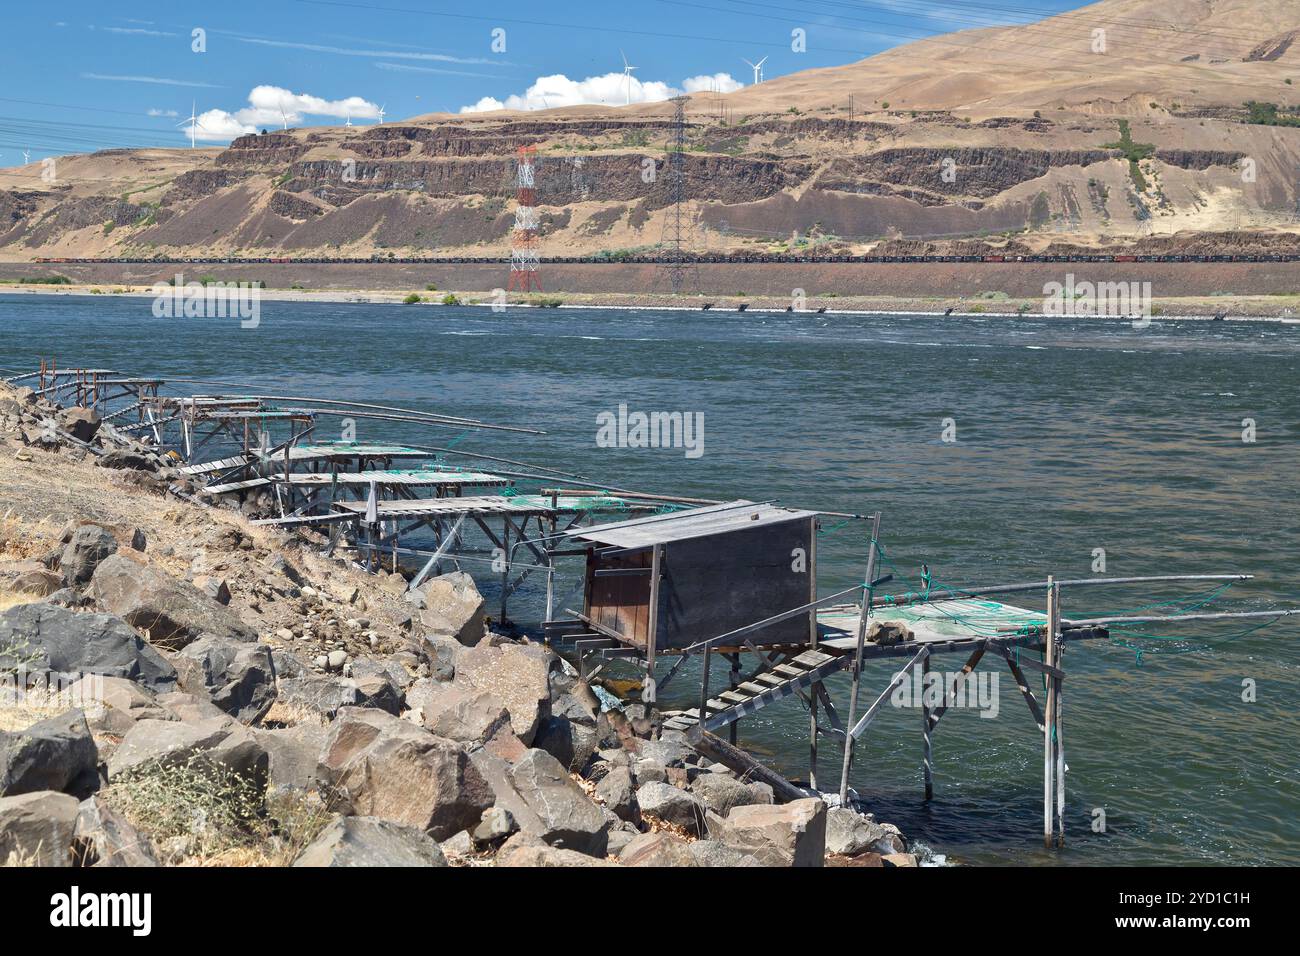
[1197, 309]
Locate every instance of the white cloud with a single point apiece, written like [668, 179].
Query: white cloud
[611, 89]
[717, 83]
[169, 114]
[273, 106]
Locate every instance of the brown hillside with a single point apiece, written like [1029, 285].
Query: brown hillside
[982, 133]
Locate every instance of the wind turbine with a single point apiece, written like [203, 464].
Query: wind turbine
[349, 122]
[628, 68]
[758, 70]
[284, 116]
[27, 156]
[193, 122]
[381, 115]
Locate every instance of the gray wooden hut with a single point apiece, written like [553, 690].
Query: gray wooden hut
[663, 582]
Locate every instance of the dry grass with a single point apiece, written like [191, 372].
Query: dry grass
[10, 599]
[29, 708]
[21, 858]
[198, 814]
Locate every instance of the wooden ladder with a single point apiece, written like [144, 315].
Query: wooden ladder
[769, 686]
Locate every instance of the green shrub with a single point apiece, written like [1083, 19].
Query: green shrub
[411, 299]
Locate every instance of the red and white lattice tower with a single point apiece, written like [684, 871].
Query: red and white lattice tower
[524, 272]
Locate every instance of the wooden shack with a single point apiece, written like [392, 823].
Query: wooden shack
[664, 582]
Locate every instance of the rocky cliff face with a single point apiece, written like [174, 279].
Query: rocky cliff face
[948, 139]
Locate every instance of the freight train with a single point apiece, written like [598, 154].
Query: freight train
[652, 259]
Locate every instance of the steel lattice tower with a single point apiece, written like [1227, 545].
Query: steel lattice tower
[525, 274]
[675, 244]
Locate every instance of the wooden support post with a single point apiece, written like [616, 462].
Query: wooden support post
[1056, 724]
[704, 687]
[867, 593]
[550, 566]
[733, 681]
[928, 755]
[817, 689]
[1049, 735]
[505, 570]
[649, 690]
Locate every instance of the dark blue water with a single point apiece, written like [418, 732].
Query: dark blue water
[1071, 436]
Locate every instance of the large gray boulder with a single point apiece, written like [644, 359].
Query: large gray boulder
[792, 834]
[165, 743]
[568, 741]
[113, 704]
[543, 855]
[54, 754]
[294, 753]
[103, 837]
[37, 828]
[320, 693]
[850, 833]
[239, 677]
[450, 606]
[722, 793]
[371, 841]
[45, 637]
[657, 850]
[618, 793]
[39, 583]
[566, 815]
[548, 806]
[518, 675]
[458, 712]
[380, 765]
[665, 802]
[81, 423]
[173, 613]
[88, 546]
[221, 744]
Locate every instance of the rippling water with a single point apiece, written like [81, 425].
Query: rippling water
[1071, 436]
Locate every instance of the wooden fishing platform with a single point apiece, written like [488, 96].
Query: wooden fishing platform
[360, 481]
[797, 645]
[735, 581]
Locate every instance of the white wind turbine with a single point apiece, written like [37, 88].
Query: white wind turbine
[628, 69]
[758, 70]
[192, 122]
[381, 115]
[284, 117]
[27, 156]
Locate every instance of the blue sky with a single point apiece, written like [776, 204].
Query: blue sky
[91, 75]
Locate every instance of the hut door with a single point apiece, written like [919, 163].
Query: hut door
[621, 601]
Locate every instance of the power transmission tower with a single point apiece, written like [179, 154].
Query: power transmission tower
[678, 236]
[525, 274]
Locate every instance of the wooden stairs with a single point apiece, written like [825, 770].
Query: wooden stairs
[767, 687]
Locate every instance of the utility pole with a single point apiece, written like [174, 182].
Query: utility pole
[678, 228]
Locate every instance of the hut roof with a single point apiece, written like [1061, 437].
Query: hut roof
[696, 523]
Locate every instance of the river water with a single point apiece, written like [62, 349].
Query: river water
[1070, 436]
